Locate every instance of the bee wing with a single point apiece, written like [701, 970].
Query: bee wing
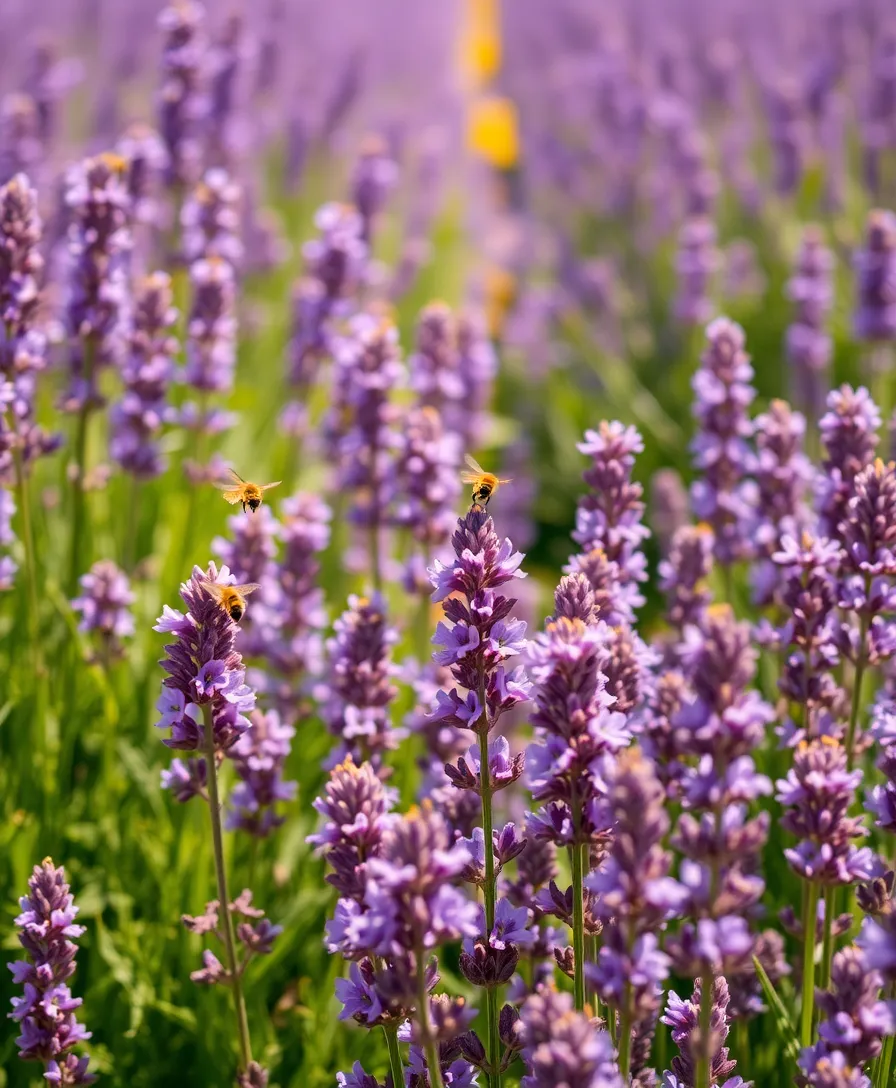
[236, 476]
[248, 588]
[503, 481]
[470, 477]
[216, 590]
[474, 465]
[233, 497]
[267, 487]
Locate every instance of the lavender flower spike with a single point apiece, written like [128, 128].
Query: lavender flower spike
[563, 1047]
[683, 1017]
[258, 756]
[105, 605]
[203, 667]
[723, 496]
[46, 1012]
[147, 372]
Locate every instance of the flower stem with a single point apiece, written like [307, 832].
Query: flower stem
[882, 1080]
[625, 1041]
[78, 511]
[214, 807]
[595, 997]
[827, 954]
[809, 963]
[395, 1066]
[857, 684]
[488, 888]
[376, 565]
[704, 1064]
[578, 922]
[429, 1046]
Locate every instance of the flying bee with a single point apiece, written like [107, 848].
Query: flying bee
[485, 484]
[231, 598]
[250, 495]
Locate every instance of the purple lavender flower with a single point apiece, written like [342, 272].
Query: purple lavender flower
[855, 1017]
[787, 133]
[291, 627]
[477, 365]
[210, 220]
[609, 521]
[355, 807]
[696, 263]
[8, 566]
[563, 1047]
[636, 896]
[723, 496]
[335, 264]
[249, 555]
[374, 177]
[467, 589]
[808, 636]
[577, 725]
[433, 365]
[21, 148]
[826, 1069]
[683, 1017]
[203, 668]
[808, 345]
[46, 1012]
[684, 573]
[669, 508]
[104, 605]
[22, 346]
[142, 149]
[427, 485]
[182, 102]
[259, 756]
[360, 672]
[367, 370]
[849, 434]
[211, 327]
[875, 316]
[99, 241]
[147, 372]
[818, 792]
[783, 474]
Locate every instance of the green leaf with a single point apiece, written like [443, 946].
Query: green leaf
[786, 1032]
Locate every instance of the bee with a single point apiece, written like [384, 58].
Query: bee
[250, 495]
[231, 598]
[485, 484]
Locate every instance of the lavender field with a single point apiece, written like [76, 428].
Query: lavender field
[327, 759]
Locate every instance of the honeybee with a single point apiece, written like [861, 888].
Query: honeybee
[485, 484]
[231, 598]
[250, 495]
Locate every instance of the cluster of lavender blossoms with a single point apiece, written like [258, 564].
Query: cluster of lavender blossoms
[46, 1012]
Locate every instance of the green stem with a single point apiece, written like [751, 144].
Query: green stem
[395, 1066]
[704, 1063]
[595, 997]
[857, 683]
[488, 888]
[376, 563]
[214, 807]
[809, 917]
[578, 923]
[429, 1046]
[827, 954]
[625, 1039]
[78, 511]
[882, 1080]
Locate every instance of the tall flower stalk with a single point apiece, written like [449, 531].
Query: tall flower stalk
[482, 637]
[576, 728]
[204, 702]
